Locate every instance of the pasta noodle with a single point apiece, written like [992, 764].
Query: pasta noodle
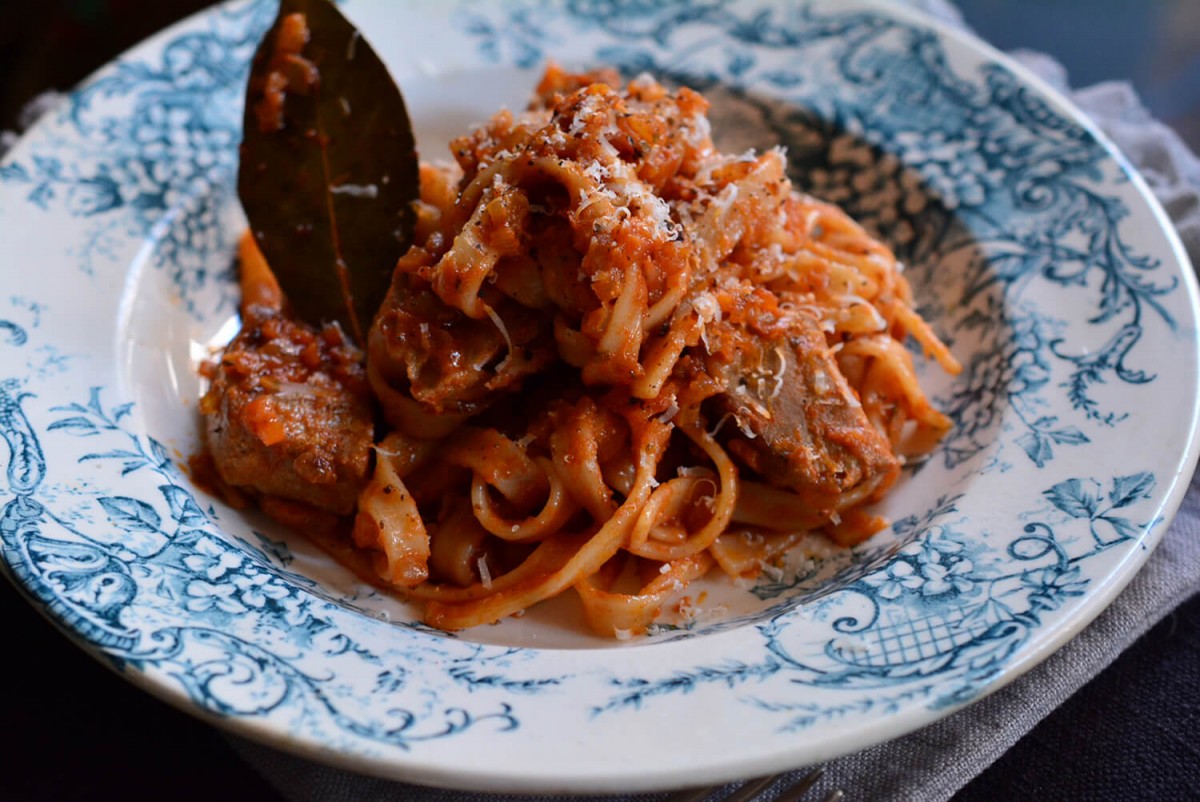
[617, 357]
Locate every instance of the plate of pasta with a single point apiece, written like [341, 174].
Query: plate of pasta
[740, 385]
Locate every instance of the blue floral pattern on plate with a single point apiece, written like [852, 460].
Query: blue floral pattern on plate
[1033, 253]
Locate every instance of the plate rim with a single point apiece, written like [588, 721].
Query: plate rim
[1098, 599]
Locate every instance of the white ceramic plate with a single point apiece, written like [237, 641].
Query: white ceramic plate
[1034, 251]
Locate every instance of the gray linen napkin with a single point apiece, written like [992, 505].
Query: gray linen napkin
[935, 762]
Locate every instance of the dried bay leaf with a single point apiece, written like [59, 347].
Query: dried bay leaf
[329, 170]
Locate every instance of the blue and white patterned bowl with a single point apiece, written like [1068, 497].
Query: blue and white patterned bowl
[1034, 250]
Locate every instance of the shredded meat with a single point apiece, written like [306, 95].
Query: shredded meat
[289, 414]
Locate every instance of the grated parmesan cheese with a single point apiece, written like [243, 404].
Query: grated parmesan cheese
[500, 325]
[596, 171]
[749, 435]
[716, 429]
[725, 200]
[778, 377]
[850, 299]
[669, 413]
[697, 129]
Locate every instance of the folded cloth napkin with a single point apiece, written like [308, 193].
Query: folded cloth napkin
[935, 762]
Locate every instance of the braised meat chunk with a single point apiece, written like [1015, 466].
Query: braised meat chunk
[450, 364]
[798, 423]
[289, 413]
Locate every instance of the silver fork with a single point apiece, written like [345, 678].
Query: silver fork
[749, 791]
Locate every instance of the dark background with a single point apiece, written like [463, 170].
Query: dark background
[1153, 43]
[75, 731]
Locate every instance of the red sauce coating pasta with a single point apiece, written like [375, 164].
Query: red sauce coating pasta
[617, 357]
